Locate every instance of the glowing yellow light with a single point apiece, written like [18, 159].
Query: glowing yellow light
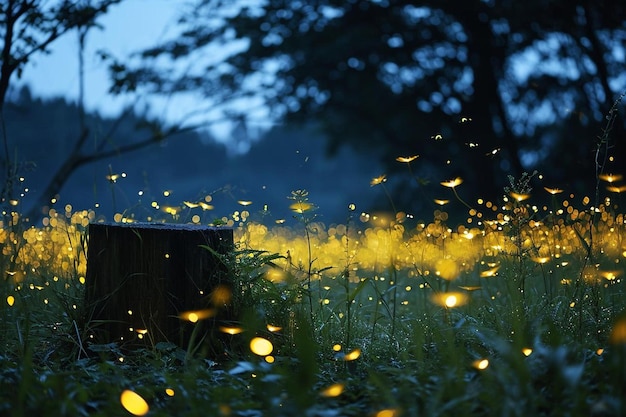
[540, 259]
[141, 331]
[449, 299]
[389, 412]
[490, 272]
[169, 392]
[452, 183]
[337, 347]
[616, 189]
[113, 177]
[618, 333]
[553, 191]
[195, 316]
[190, 204]
[610, 275]
[407, 159]
[269, 359]
[275, 275]
[81, 280]
[481, 364]
[170, 210]
[378, 180]
[334, 390]
[10, 300]
[610, 178]
[352, 355]
[527, 351]
[205, 206]
[221, 295]
[519, 197]
[134, 403]
[600, 351]
[231, 330]
[300, 207]
[447, 269]
[441, 202]
[274, 328]
[261, 346]
[438, 136]
[244, 202]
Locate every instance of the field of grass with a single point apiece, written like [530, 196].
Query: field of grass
[517, 312]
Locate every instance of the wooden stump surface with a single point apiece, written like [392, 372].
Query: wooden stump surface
[143, 278]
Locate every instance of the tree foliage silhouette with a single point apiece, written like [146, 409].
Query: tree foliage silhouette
[479, 89]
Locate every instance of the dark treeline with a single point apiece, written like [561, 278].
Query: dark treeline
[479, 89]
[191, 166]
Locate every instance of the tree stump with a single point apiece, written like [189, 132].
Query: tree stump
[148, 283]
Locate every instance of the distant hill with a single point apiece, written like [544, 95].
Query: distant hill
[189, 166]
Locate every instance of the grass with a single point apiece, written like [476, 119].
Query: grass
[519, 311]
[378, 316]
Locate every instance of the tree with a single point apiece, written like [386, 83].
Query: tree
[29, 28]
[479, 89]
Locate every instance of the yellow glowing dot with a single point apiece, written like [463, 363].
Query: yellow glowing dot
[194, 316]
[527, 351]
[352, 355]
[540, 259]
[169, 392]
[261, 346]
[452, 183]
[195, 219]
[553, 190]
[10, 300]
[481, 364]
[610, 177]
[407, 159]
[337, 347]
[231, 330]
[519, 197]
[269, 359]
[273, 328]
[334, 390]
[451, 301]
[81, 280]
[300, 207]
[134, 403]
[389, 412]
[378, 180]
[572, 304]
[600, 351]
[244, 203]
[618, 333]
